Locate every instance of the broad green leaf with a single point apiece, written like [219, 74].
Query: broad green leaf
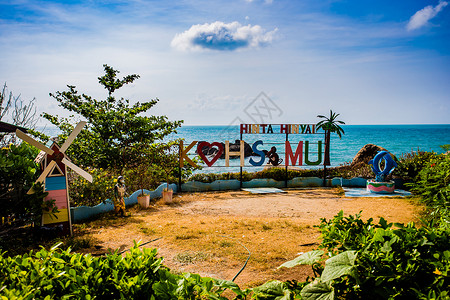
[379, 235]
[307, 258]
[226, 284]
[339, 265]
[317, 290]
[275, 290]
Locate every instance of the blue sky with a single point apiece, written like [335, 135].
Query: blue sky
[225, 62]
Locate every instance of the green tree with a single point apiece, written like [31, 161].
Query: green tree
[17, 175]
[329, 124]
[114, 127]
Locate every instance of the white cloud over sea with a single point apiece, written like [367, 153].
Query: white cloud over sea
[223, 37]
[421, 17]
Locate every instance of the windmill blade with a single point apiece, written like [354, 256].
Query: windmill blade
[72, 136]
[44, 174]
[33, 142]
[77, 169]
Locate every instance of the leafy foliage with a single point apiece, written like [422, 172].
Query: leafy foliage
[114, 127]
[82, 192]
[433, 185]
[278, 174]
[17, 176]
[150, 167]
[410, 164]
[379, 261]
[60, 274]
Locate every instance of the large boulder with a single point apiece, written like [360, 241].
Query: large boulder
[366, 153]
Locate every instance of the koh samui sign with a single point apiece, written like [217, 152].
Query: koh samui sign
[296, 154]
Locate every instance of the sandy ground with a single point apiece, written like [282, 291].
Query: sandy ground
[205, 233]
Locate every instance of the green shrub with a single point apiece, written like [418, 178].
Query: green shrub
[349, 170]
[410, 164]
[59, 274]
[18, 172]
[278, 174]
[86, 193]
[433, 185]
[378, 261]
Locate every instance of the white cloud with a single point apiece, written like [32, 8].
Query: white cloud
[421, 17]
[223, 37]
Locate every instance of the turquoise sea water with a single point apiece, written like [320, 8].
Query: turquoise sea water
[398, 139]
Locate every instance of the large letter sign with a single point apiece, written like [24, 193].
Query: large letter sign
[300, 156]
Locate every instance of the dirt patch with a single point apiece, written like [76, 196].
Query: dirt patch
[209, 233]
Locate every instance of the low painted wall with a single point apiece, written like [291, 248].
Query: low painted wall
[82, 213]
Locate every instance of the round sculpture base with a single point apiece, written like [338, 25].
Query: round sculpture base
[380, 187]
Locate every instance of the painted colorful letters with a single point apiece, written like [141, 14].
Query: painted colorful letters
[278, 128]
[302, 153]
[297, 154]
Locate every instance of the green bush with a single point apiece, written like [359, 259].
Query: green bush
[59, 274]
[433, 185]
[278, 174]
[378, 261]
[349, 170]
[82, 192]
[410, 164]
[18, 172]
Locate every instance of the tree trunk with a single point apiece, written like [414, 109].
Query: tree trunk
[326, 161]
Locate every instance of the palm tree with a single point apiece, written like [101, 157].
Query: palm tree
[329, 125]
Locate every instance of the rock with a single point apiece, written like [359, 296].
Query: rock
[366, 153]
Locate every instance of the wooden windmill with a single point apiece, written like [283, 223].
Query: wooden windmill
[54, 177]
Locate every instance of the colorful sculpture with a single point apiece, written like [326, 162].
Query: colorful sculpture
[382, 165]
[54, 163]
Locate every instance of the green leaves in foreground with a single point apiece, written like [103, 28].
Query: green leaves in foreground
[335, 267]
[139, 274]
[307, 258]
[378, 261]
[318, 290]
[275, 290]
[340, 265]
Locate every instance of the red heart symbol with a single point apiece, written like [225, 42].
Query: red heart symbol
[202, 155]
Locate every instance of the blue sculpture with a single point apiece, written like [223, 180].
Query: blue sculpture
[389, 165]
